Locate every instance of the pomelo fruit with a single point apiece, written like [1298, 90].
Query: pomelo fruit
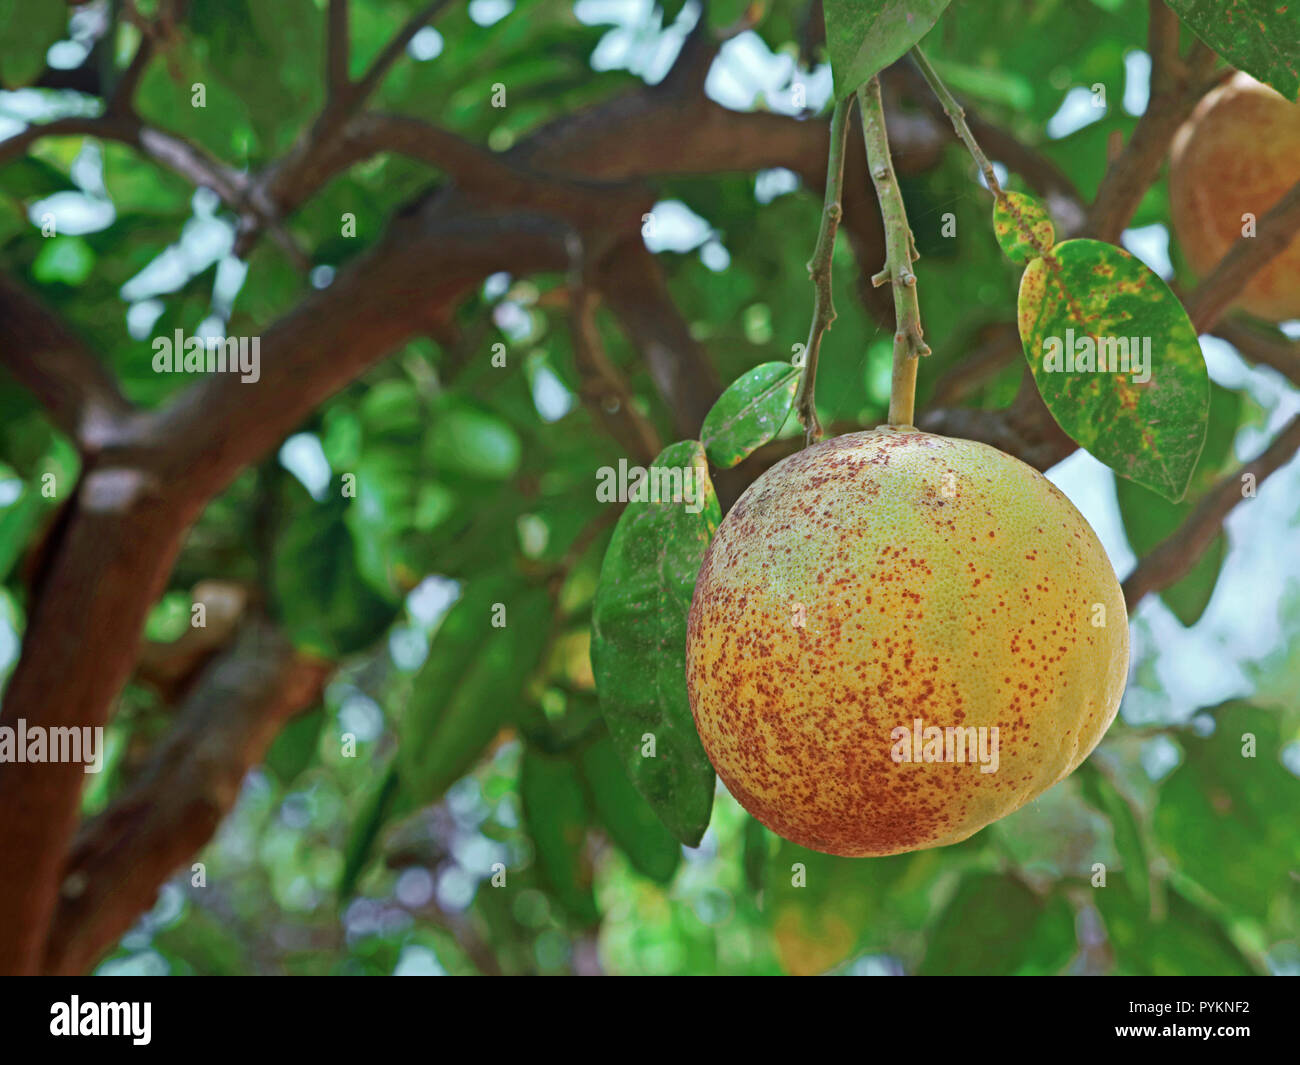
[1237, 154]
[884, 578]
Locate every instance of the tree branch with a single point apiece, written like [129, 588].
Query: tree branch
[1174, 557]
[128, 516]
[633, 285]
[392, 52]
[338, 50]
[603, 389]
[1026, 429]
[1176, 87]
[123, 856]
[1274, 351]
[1276, 230]
[174, 153]
[81, 396]
[121, 102]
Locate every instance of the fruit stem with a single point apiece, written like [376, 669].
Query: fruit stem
[819, 270]
[900, 253]
[957, 117]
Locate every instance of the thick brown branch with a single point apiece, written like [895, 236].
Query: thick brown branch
[1175, 556]
[46, 358]
[122, 857]
[998, 346]
[488, 178]
[1176, 87]
[633, 285]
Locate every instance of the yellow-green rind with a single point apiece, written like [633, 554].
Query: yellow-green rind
[886, 576]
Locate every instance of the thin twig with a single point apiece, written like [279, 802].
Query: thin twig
[279, 187]
[124, 90]
[819, 269]
[958, 119]
[603, 389]
[393, 51]
[900, 253]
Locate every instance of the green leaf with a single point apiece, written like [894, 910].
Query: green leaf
[749, 413]
[30, 27]
[1257, 36]
[1022, 226]
[638, 649]
[555, 812]
[375, 810]
[627, 817]
[1128, 833]
[321, 599]
[996, 926]
[865, 36]
[31, 178]
[1228, 821]
[1149, 519]
[1085, 291]
[296, 746]
[472, 442]
[382, 445]
[17, 523]
[757, 845]
[471, 685]
[1184, 941]
[66, 259]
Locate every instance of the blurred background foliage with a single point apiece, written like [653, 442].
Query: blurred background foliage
[473, 755]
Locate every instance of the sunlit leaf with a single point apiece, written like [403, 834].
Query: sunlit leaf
[749, 413]
[1089, 304]
[865, 36]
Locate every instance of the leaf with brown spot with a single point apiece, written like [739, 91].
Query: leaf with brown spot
[1022, 226]
[1149, 519]
[1086, 293]
[1257, 36]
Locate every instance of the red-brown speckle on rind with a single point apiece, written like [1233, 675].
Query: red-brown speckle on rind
[974, 614]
